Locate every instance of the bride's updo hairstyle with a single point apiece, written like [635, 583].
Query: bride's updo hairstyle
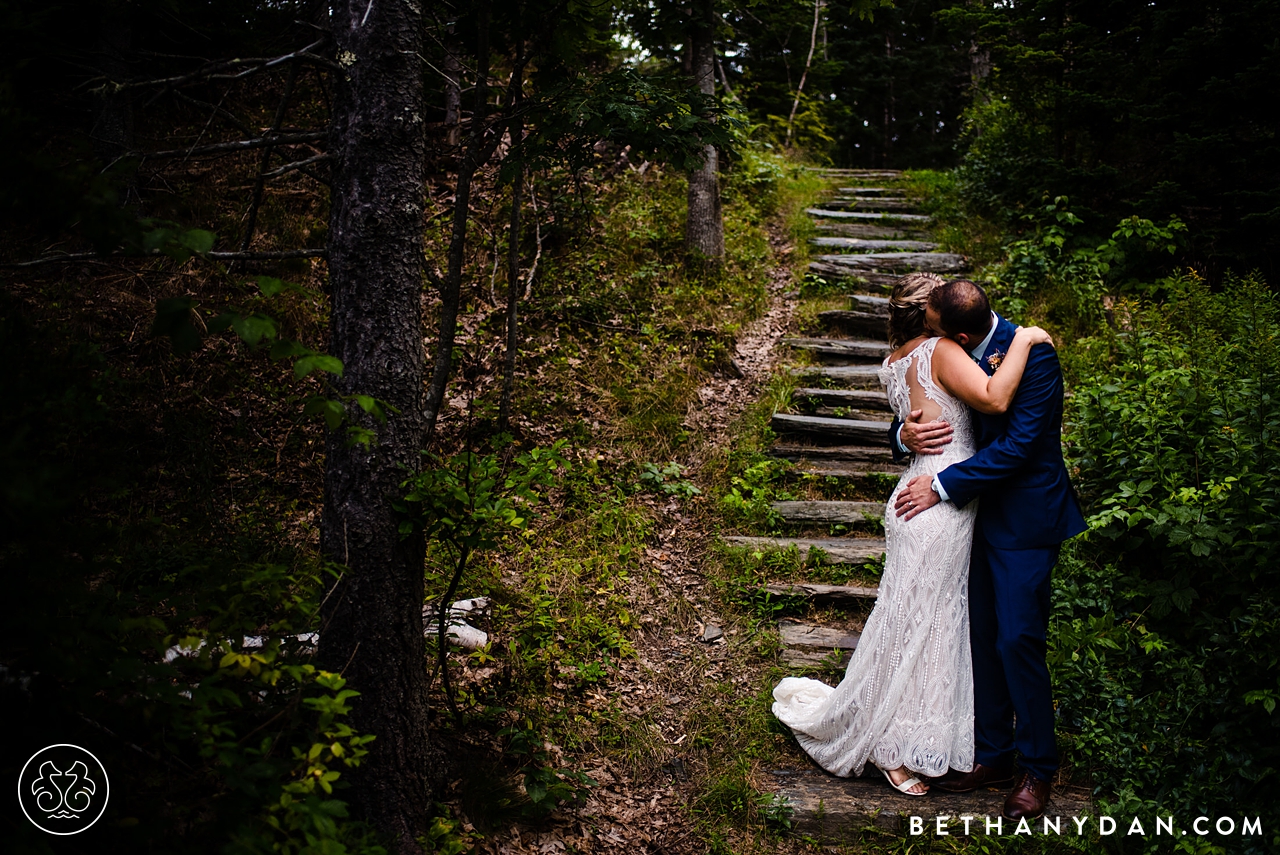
[906, 306]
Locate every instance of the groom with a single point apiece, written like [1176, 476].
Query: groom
[1027, 510]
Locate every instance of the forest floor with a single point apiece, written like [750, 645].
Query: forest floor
[651, 792]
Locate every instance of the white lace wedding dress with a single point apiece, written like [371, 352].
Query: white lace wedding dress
[907, 695]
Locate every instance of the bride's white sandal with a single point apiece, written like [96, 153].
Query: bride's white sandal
[905, 786]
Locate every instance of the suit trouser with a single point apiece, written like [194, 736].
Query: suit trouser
[1008, 623]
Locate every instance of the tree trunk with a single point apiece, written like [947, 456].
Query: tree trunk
[813, 44]
[888, 103]
[260, 184]
[372, 623]
[477, 152]
[513, 284]
[452, 89]
[704, 228]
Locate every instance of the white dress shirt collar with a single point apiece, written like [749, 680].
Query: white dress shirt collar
[977, 352]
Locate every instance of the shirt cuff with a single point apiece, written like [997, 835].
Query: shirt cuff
[897, 437]
[937, 488]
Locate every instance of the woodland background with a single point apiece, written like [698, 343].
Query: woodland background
[568, 273]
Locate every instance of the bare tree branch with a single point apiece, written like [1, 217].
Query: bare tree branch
[269, 255]
[537, 237]
[217, 109]
[298, 165]
[218, 70]
[276, 255]
[238, 145]
[251, 221]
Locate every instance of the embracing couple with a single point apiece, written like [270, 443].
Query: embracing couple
[949, 680]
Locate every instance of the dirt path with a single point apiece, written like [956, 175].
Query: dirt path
[668, 697]
[721, 400]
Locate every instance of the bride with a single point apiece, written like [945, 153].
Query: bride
[906, 701]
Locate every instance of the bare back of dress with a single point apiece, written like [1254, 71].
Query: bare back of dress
[907, 695]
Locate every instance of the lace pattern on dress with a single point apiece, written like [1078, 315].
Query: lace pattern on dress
[907, 695]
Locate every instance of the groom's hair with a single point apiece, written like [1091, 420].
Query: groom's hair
[962, 307]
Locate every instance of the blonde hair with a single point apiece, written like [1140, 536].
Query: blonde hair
[906, 306]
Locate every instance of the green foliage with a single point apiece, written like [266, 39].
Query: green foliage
[1164, 638]
[447, 837]
[306, 819]
[226, 691]
[188, 650]
[746, 572]
[813, 285]
[472, 501]
[844, 574]
[1122, 106]
[179, 319]
[945, 199]
[546, 786]
[662, 118]
[756, 168]
[753, 490]
[776, 810]
[171, 239]
[1071, 270]
[809, 131]
[884, 88]
[667, 479]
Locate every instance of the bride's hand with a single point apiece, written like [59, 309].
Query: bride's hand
[1036, 335]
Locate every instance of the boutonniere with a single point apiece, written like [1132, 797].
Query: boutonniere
[994, 361]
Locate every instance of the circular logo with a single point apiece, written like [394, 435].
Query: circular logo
[63, 789]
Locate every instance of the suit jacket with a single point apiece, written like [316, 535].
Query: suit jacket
[1027, 498]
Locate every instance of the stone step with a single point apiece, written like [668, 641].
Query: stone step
[806, 645]
[855, 323]
[829, 512]
[829, 214]
[866, 303]
[871, 230]
[852, 376]
[860, 245]
[861, 173]
[843, 348]
[882, 192]
[897, 262]
[824, 593]
[866, 399]
[883, 204]
[835, 550]
[857, 430]
[874, 455]
[840, 810]
[848, 469]
[877, 283]
[869, 191]
[847, 413]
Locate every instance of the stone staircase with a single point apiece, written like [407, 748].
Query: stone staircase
[870, 233]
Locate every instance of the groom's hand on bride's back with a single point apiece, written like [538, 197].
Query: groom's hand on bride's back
[927, 438]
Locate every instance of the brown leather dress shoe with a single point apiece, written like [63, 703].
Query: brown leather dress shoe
[981, 776]
[1028, 799]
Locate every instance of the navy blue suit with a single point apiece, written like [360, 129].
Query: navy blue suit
[1028, 509]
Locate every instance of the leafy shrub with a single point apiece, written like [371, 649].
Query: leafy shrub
[1165, 635]
[1063, 264]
